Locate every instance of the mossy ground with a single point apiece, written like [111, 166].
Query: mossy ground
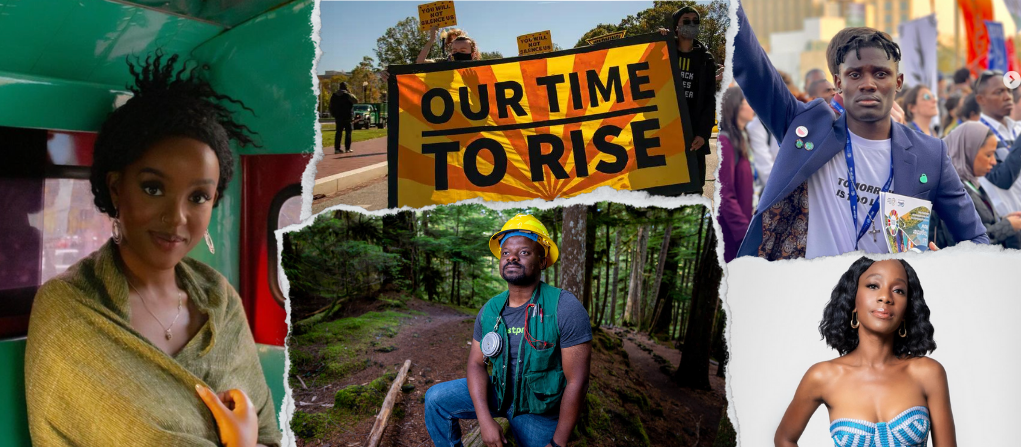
[350, 405]
[326, 351]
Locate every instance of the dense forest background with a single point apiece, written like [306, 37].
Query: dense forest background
[650, 269]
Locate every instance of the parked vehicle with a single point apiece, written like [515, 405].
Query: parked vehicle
[369, 115]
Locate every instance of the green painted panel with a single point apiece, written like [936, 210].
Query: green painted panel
[88, 40]
[267, 63]
[225, 229]
[273, 360]
[48, 103]
[13, 412]
[224, 12]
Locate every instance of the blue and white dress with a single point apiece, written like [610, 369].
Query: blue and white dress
[908, 429]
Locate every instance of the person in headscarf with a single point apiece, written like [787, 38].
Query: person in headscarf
[972, 150]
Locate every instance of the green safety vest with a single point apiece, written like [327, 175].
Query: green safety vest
[540, 381]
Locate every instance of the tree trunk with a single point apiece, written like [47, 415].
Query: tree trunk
[720, 344]
[693, 371]
[667, 295]
[572, 251]
[633, 310]
[606, 272]
[613, 280]
[658, 299]
[590, 257]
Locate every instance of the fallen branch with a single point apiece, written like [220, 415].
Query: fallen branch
[384, 413]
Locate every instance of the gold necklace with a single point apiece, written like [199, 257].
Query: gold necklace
[166, 329]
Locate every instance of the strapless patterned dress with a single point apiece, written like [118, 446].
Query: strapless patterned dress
[908, 429]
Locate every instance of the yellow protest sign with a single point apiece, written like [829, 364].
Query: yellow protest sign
[541, 42]
[541, 126]
[436, 15]
[606, 37]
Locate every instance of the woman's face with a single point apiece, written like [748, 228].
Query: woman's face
[165, 199]
[926, 104]
[461, 46]
[986, 157]
[745, 113]
[882, 297]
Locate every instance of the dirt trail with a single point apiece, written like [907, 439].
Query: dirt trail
[438, 344]
[704, 405]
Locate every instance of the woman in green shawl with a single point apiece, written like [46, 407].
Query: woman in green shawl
[126, 347]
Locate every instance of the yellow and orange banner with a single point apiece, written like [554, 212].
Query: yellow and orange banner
[542, 126]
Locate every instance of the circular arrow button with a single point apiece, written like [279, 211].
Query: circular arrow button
[1012, 79]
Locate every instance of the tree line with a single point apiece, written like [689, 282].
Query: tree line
[651, 269]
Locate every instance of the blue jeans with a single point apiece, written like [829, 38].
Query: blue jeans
[448, 401]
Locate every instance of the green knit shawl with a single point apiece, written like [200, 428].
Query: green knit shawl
[92, 380]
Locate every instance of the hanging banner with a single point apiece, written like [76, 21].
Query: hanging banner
[1014, 8]
[918, 52]
[974, 13]
[541, 126]
[1013, 63]
[997, 56]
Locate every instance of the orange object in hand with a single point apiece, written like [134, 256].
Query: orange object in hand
[235, 416]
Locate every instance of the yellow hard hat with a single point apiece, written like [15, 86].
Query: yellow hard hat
[525, 222]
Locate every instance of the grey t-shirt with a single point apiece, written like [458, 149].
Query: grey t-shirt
[572, 322]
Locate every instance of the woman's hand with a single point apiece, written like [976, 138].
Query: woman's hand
[897, 113]
[664, 31]
[1015, 220]
[235, 416]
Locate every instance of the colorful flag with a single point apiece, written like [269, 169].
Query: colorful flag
[975, 13]
[997, 56]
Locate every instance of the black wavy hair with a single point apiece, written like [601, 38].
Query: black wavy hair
[854, 39]
[835, 326]
[168, 101]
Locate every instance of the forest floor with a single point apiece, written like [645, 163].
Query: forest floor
[631, 399]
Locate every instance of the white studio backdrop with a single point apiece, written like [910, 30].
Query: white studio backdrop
[974, 294]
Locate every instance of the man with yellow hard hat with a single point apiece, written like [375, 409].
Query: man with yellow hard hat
[537, 343]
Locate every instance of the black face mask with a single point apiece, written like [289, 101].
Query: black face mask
[462, 56]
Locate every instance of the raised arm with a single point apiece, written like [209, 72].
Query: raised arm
[937, 393]
[762, 85]
[428, 46]
[954, 205]
[576, 360]
[806, 400]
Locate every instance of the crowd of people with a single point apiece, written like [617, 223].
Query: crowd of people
[763, 214]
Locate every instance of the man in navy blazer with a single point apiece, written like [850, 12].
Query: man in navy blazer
[816, 151]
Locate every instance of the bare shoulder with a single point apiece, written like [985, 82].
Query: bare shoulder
[926, 369]
[823, 372]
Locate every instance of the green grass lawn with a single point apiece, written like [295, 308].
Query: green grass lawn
[330, 132]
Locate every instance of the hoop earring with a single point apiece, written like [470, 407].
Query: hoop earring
[209, 243]
[854, 320]
[115, 231]
[903, 332]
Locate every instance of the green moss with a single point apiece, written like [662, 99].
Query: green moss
[726, 436]
[309, 425]
[359, 399]
[346, 341]
[633, 397]
[382, 383]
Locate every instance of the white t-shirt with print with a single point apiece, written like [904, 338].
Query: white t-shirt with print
[831, 231]
[1005, 201]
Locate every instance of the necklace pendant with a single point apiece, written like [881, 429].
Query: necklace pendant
[169, 335]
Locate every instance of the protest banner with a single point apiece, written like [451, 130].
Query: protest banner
[542, 126]
[535, 43]
[436, 15]
[606, 37]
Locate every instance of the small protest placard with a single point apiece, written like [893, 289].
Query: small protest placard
[606, 37]
[436, 15]
[541, 42]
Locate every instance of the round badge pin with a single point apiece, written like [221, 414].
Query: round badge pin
[809, 146]
[799, 143]
[801, 131]
[923, 179]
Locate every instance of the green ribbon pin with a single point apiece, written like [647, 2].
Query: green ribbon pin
[923, 179]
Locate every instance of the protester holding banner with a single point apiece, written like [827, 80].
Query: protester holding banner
[920, 107]
[972, 150]
[736, 182]
[457, 46]
[698, 72]
[837, 166]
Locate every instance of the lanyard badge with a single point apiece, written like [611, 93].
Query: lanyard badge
[1013, 134]
[852, 192]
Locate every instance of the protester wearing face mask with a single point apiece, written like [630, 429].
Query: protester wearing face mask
[698, 76]
[461, 48]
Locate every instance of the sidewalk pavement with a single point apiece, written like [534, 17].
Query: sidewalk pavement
[340, 171]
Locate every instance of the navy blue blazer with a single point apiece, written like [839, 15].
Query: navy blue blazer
[914, 154]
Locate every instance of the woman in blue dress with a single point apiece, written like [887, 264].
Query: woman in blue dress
[882, 391]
